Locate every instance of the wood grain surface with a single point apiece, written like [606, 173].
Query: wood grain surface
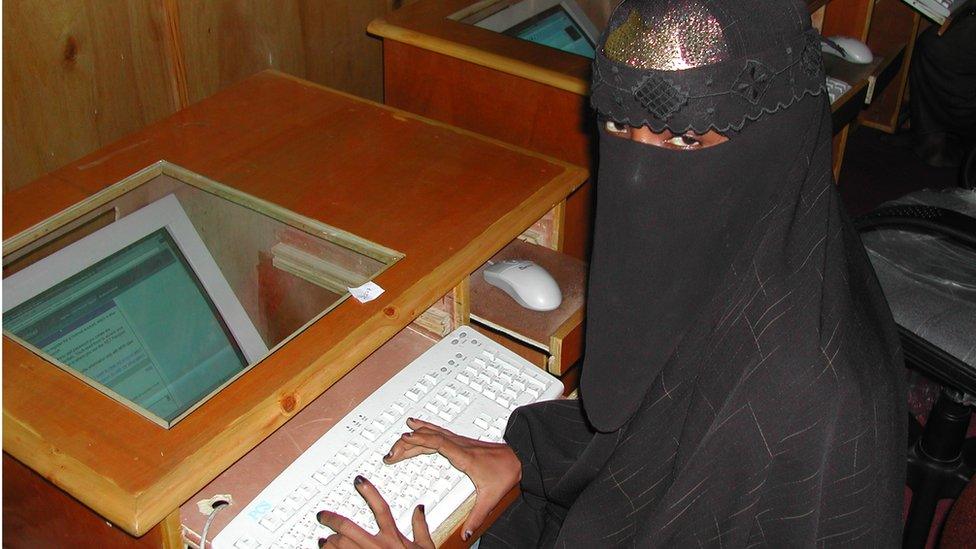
[446, 198]
[38, 514]
[323, 41]
[894, 29]
[80, 74]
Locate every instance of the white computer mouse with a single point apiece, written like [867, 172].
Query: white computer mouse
[848, 49]
[527, 283]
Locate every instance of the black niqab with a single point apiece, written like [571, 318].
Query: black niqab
[674, 223]
[742, 380]
[668, 224]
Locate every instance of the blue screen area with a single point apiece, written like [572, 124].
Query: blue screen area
[556, 29]
[139, 323]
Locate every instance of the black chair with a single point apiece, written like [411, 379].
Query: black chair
[923, 247]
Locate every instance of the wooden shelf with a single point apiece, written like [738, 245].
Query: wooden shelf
[846, 107]
[867, 82]
[556, 333]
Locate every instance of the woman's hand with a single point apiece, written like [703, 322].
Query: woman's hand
[493, 468]
[350, 535]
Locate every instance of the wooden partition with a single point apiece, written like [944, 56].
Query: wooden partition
[440, 65]
[79, 74]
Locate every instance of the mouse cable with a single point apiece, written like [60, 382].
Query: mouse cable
[217, 506]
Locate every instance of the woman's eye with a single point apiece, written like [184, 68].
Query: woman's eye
[614, 127]
[686, 141]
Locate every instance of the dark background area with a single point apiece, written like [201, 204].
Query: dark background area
[879, 167]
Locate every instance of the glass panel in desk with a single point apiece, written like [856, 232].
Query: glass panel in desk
[169, 286]
[569, 25]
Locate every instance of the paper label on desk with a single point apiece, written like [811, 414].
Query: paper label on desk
[366, 292]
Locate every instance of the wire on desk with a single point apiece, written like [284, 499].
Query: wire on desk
[217, 506]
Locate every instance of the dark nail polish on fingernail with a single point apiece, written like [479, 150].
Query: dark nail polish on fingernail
[467, 534]
[321, 542]
[358, 480]
[421, 508]
[408, 435]
[389, 454]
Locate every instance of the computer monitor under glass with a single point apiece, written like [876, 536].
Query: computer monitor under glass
[560, 24]
[138, 309]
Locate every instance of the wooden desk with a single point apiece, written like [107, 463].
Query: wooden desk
[438, 65]
[446, 198]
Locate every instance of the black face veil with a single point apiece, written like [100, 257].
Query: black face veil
[669, 223]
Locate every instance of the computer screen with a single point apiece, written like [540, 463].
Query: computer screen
[554, 28]
[560, 24]
[138, 321]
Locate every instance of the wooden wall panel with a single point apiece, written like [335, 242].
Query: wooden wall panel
[81, 73]
[324, 41]
[77, 75]
[848, 18]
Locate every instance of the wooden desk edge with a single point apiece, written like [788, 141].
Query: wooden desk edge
[448, 535]
[138, 511]
[570, 171]
[380, 27]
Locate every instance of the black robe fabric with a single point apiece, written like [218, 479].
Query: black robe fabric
[729, 293]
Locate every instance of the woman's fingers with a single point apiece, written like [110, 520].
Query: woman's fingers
[444, 445]
[400, 452]
[415, 424]
[348, 530]
[483, 505]
[379, 507]
[421, 532]
[413, 443]
[336, 541]
[405, 448]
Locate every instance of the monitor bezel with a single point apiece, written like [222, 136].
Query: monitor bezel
[166, 214]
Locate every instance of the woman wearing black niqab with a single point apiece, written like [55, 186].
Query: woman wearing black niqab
[741, 385]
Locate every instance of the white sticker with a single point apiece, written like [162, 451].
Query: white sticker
[366, 292]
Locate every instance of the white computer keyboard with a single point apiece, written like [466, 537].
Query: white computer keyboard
[466, 383]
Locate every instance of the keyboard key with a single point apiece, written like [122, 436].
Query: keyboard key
[247, 542]
[308, 491]
[457, 385]
[271, 522]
